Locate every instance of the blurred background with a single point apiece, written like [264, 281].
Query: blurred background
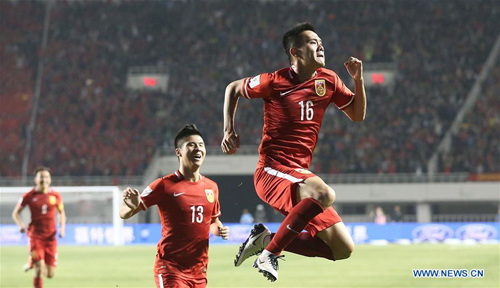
[96, 90]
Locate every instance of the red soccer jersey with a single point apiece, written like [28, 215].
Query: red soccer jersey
[186, 211]
[43, 207]
[293, 113]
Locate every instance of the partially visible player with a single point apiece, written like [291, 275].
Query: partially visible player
[189, 208]
[295, 100]
[43, 203]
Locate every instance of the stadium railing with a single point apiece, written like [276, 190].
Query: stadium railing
[77, 181]
[329, 178]
[465, 218]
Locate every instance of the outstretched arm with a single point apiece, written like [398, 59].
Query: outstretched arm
[131, 203]
[357, 110]
[231, 141]
[218, 229]
[16, 215]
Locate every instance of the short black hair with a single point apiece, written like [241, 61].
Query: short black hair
[187, 130]
[41, 168]
[292, 37]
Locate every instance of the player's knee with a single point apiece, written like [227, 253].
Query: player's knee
[326, 196]
[344, 252]
[50, 274]
[34, 256]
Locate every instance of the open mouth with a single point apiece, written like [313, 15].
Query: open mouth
[198, 157]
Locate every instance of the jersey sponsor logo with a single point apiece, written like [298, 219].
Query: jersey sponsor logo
[52, 200]
[34, 199]
[210, 195]
[255, 81]
[179, 194]
[146, 191]
[303, 171]
[320, 87]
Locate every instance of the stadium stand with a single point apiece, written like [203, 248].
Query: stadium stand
[18, 54]
[90, 124]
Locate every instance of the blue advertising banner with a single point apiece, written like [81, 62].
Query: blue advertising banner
[134, 234]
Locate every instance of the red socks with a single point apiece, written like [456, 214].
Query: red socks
[309, 246]
[37, 282]
[294, 223]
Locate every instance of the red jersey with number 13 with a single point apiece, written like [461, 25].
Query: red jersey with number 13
[186, 212]
[293, 113]
[43, 208]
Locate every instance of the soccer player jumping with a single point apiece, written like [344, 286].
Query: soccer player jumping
[295, 100]
[189, 208]
[43, 203]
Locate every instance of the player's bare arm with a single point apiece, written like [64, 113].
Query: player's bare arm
[357, 110]
[62, 220]
[218, 229]
[231, 141]
[131, 203]
[16, 215]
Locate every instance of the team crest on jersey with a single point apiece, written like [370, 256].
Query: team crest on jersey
[52, 200]
[210, 195]
[320, 87]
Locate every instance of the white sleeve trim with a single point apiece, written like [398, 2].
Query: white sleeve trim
[349, 103]
[143, 206]
[245, 89]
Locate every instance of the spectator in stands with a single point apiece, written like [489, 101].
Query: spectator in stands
[260, 214]
[378, 216]
[397, 214]
[91, 45]
[246, 217]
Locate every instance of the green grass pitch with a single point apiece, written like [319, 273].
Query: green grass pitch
[369, 266]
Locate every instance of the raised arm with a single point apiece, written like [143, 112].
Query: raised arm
[357, 110]
[16, 215]
[231, 141]
[131, 203]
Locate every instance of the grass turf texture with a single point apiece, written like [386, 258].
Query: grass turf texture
[370, 266]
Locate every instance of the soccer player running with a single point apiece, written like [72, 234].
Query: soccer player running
[43, 203]
[295, 100]
[189, 209]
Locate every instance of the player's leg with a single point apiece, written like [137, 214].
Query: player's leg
[37, 255]
[338, 239]
[282, 194]
[327, 226]
[29, 264]
[313, 197]
[50, 251]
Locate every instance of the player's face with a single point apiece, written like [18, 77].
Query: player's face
[311, 52]
[43, 180]
[192, 151]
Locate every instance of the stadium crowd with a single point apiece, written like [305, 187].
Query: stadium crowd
[89, 124]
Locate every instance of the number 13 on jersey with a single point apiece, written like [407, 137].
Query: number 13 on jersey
[196, 214]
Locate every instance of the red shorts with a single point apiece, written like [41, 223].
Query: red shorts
[277, 186]
[171, 281]
[45, 249]
[167, 274]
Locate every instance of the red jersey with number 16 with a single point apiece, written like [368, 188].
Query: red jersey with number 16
[43, 207]
[293, 113]
[186, 212]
